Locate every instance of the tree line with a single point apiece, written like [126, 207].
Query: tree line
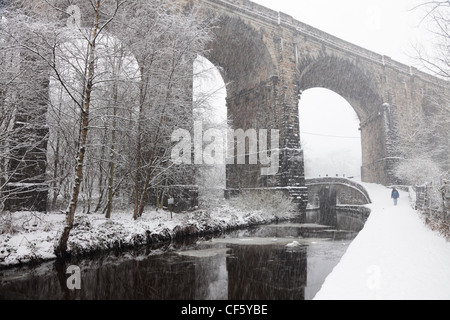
[425, 149]
[115, 77]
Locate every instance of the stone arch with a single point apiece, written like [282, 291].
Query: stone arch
[359, 88]
[349, 192]
[240, 53]
[246, 61]
[346, 79]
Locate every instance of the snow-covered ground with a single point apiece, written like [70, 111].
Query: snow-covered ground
[35, 234]
[395, 257]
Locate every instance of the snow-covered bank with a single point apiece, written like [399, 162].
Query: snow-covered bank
[36, 233]
[395, 257]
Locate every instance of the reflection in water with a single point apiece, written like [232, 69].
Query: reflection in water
[164, 277]
[206, 270]
[266, 273]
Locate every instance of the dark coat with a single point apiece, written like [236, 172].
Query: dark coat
[395, 194]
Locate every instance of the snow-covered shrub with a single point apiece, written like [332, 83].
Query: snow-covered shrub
[24, 222]
[424, 172]
[7, 224]
[432, 198]
[269, 203]
[418, 171]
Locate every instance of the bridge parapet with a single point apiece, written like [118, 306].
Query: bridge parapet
[288, 21]
[280, 18]
[348, 191]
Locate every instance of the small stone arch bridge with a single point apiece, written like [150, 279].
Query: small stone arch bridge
[338, 202]
[348, 192]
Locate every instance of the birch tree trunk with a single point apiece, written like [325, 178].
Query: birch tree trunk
[139, 143]
[61, 248]
[112, 164]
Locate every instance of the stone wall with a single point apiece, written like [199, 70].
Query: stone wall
[26, 188]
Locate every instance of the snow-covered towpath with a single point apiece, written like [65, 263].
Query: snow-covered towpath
[395, 257]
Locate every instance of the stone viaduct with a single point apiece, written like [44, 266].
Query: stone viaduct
[267, 58]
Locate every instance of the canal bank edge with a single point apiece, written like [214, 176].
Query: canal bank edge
[93, 234]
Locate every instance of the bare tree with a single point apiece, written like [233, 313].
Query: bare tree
[169, 42]
[436, 19]
[426, 138]
[85, 106]
[117, 83]
[73, 62]
[426, 148]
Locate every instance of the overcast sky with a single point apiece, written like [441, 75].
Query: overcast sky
[387, 27]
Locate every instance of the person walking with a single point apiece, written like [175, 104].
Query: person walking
[395, 195]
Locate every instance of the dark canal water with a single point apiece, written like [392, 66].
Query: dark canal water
[287, 261]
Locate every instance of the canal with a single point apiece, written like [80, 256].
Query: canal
[285, 261]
